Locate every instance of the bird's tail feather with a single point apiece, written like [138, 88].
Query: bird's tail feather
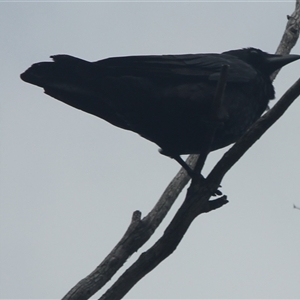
[76, 82]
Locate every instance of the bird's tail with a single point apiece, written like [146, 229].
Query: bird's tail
[78, 83]
[65, 72]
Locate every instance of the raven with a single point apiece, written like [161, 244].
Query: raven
[166, 99]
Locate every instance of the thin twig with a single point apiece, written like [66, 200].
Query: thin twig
[296, 207]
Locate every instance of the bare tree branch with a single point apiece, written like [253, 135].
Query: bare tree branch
[138, 232]
[290, 35]
[197, 202]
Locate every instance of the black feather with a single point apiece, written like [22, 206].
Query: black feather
[166, 99]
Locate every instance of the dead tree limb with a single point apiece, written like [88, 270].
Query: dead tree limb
[137, 234]
[197, 202]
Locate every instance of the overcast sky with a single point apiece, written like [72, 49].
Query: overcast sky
[70, 181]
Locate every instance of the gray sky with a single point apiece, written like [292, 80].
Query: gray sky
[70, 181]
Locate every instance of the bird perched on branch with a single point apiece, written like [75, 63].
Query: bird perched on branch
[167, 99]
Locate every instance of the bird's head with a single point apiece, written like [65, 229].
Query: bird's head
[262, 61]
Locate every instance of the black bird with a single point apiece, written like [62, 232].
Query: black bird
[166, 99]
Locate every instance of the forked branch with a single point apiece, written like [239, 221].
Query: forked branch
[197, 201]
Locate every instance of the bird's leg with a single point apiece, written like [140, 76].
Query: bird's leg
[188, 169]
[178, 158]
[192, 173]
[200, 162]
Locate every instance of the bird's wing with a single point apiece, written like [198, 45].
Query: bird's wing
[182, 67]
[138, 91]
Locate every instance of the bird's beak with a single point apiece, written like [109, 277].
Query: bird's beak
[275, 62]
